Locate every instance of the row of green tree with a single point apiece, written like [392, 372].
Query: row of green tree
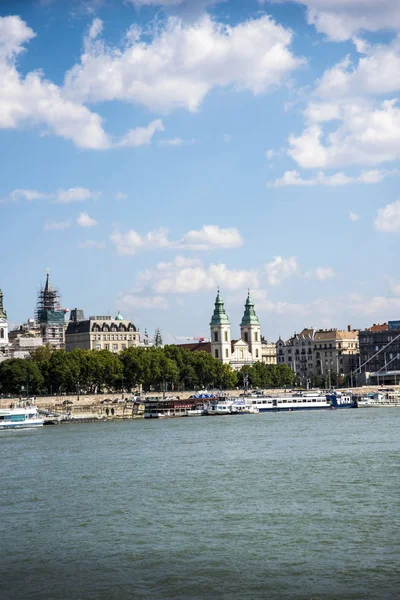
[160, 369]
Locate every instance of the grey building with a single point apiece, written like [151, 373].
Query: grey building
[380, 353]
[100, 333]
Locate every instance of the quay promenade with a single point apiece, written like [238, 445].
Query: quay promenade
[113, 406]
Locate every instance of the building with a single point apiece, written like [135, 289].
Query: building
[251, 347]
[268, 352]
[298, 353]
[3, 328]
[50, 316]
[380, 354]
[336, 351]
[100, 333]
[321, 352]
[24, 339]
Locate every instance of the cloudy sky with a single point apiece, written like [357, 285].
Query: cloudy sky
[153, 150]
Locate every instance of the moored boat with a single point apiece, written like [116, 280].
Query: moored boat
[22, 417]
[342, 400]
[313, 400]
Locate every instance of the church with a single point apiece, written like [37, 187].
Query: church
[3, 328]
[250, 348]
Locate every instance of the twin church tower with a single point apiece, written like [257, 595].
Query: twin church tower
[236, 353]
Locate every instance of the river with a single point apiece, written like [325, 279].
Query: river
[276, 506]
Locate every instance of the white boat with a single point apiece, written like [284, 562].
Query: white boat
[312, 400]
[219, 407]
[230, 407]
[24, 417]
[195, 412]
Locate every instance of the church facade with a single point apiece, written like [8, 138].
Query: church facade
[250, 348]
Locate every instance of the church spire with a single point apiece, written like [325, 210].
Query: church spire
[249, 317]
[3, 314]
[219, 317]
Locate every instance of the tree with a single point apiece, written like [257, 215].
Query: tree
[19, 375]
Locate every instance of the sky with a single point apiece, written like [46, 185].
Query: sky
[154, 150]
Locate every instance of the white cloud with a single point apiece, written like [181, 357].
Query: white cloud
[34, 101]
[388, 218]
[85, 221]
[183, 62]
[14, 33]
[120, 196]
[208, 238]
[347, 121]
[92, 244]
[270, 154]
[176, 141]
[211, 236]
[78, 194]
[343, 19]
[366, 135]
[293, 178]
[321, 273]
[354, 216]
[28, 195]
[57, 225]
[377, 72]
[280, 269]
[227, 138]
[133, 301]
[141, 136]
[130, 242]
[394, 285]
[187, 276]
[324, 273]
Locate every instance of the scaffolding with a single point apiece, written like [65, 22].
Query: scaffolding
[50, 315]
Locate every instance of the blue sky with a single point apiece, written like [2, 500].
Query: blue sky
[153, 150]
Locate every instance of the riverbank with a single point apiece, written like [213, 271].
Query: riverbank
[98, 407]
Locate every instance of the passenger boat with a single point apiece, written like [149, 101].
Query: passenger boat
[340, 400]
[23, 417]
[301, 401]
[218, 407]
[230, 407]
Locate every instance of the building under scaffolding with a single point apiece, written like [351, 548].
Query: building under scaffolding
[50, 316]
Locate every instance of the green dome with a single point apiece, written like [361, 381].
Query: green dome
[249, 317]
[119, 317]
[219, 317]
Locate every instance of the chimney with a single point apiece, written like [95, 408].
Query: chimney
[349, 328]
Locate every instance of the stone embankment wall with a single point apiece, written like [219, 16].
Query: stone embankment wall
[93, 405]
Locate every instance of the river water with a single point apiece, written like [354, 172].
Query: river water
[288, 505]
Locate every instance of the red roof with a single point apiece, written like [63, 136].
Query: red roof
[197, 347]
[379, 327]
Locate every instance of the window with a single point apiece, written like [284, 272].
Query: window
[241, 353]
[123, 346]
[98, 346]
[225, 336]
[106, 346]
[256, 353]
[226, 353]
[256, 336]
[216, 353]
[1, 333]
[246, 336]
[215, 336]
[115, 347]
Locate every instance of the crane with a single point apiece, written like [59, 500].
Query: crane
[196, 339]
